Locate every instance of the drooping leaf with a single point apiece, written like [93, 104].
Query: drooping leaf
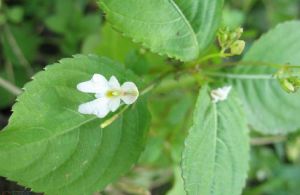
[50, 147]
[269, 108]
[215, 158]
[177, 28]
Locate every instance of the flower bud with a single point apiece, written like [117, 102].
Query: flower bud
[229, 39]
[287, 86]
[239, 31]
[237, 47]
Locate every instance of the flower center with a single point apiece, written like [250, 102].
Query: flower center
[113, 93]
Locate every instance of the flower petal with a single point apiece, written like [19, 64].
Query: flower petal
[98, 84]
[220, 94]
[130, 92]
[114, 83]
[114, 104]
[98, 107]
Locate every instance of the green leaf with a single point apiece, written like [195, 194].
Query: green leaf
[50, 147]
[15, 14]
[215, 158]
[269, 108]
[137, 61]
[108, 43]
[177, 188]
[178, 28]
[112, 44]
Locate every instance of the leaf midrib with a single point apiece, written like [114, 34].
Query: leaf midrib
[215, 149]
[216, 117]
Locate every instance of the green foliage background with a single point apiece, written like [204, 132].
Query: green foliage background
[35, 33]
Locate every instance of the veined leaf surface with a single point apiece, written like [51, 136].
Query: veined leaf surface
[216, 154]
[50, 147]
[178, 28]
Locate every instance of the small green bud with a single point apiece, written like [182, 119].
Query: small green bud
[287, 79]
[291, 84]
[237, 47]
[229, 39]
[239, 31]
[287, 86]
[233, 36]
[223, 36]
[236, 34]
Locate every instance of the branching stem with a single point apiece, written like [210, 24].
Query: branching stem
[194, 67]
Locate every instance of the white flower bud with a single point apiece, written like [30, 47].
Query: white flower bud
[220, 94]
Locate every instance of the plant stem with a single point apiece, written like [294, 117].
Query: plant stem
[240, 76]
[10, 87]
[156, 82]
[110, 120]
[17, 50]
[183, 82]
[267, 140]
[210, 56]
[252, 63]
[194, 68]
[10, 71]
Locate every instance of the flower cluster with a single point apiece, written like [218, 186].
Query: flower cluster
[108, 95]
[230, 40]
[288, 78]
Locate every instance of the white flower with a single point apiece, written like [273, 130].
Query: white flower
[220, 94]
[108, 95]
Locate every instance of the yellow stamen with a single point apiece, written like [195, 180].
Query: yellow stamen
[113, 93]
